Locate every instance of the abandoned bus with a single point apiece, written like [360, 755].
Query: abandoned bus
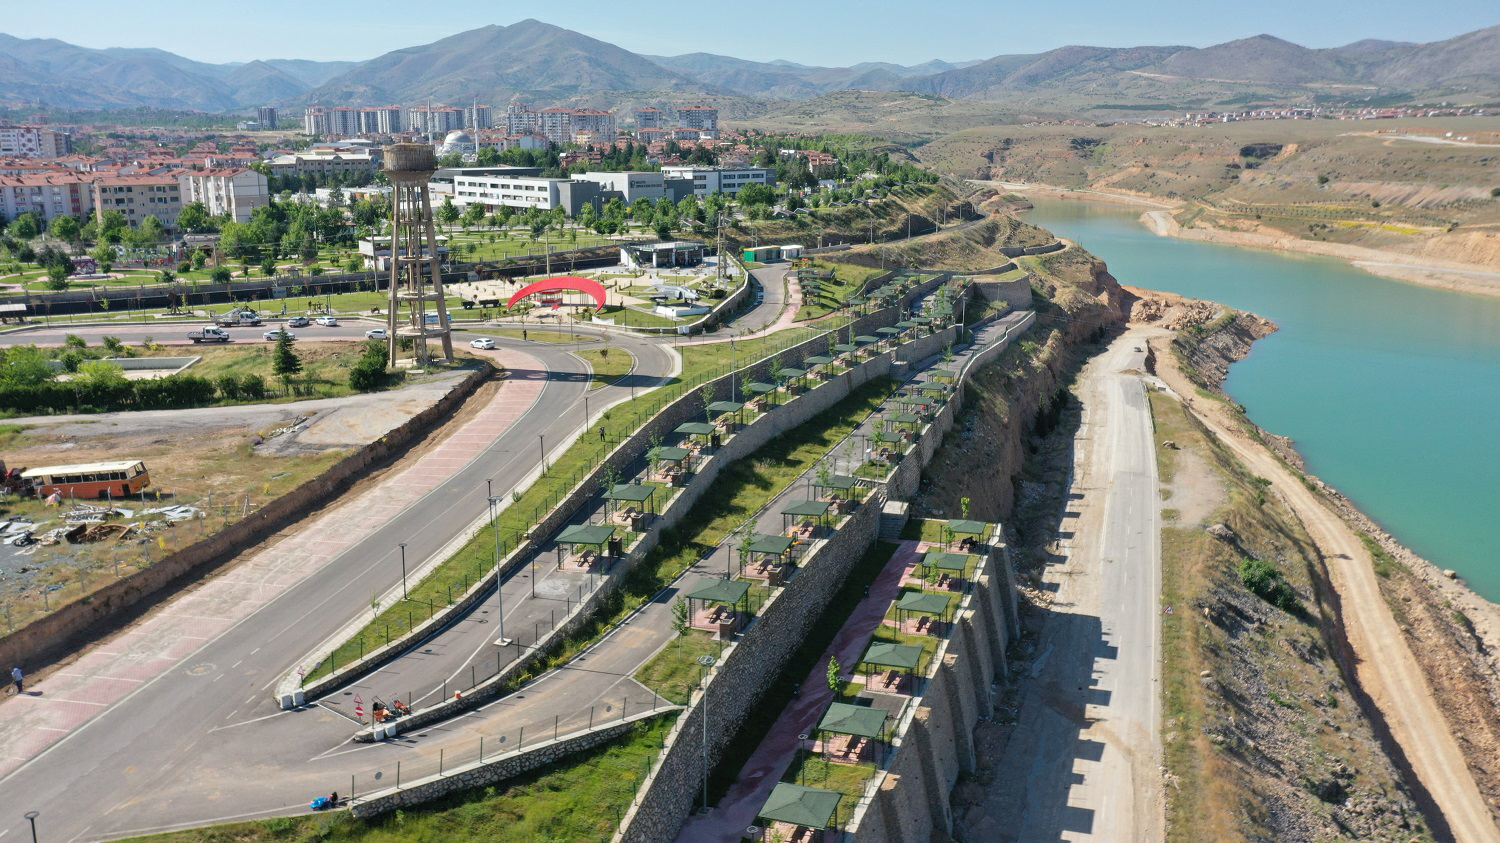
[89, 480]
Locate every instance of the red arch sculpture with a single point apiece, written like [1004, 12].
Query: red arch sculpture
[566, 282]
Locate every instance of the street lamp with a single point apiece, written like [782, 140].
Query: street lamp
[708, 663]
[31, 817]
[499, 581]
[403, 570]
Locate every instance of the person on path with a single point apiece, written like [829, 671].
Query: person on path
[16, 677]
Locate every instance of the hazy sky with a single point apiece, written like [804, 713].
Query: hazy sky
[823, 32]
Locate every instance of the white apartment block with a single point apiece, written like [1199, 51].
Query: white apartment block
[138, 197]
[326, 159]
[51, 195]
[434, 120]
[232, 192]
[34, 142]
[521, 120]
[479, 117]
[707, 180]
[648, 118]
[704, 118]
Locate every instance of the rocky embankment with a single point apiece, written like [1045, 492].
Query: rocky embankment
[1451, 631]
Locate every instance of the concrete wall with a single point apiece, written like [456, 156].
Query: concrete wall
[504, 766]
[86, 619]
[959, 688]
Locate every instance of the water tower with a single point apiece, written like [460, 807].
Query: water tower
[417, 309]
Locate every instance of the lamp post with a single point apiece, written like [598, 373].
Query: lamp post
[707, 662]
[499, 581]
[31, 817]
[403, 570]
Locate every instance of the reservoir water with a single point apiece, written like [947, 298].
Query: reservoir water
[1391, 391]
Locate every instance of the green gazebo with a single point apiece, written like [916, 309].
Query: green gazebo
[675, 459]
[861, 724]
[953, 565]
[595, 537]
[801, 807]
[924, 604]
[633, 496]
[802, 512]
[898, 661]
[723, 408]
[700, 432]
[766, 550]
[725, 602]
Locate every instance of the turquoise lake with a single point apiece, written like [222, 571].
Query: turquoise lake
[1391, 391]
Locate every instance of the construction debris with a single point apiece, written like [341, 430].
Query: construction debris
[176, 513]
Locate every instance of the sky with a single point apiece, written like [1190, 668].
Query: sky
[826, 32]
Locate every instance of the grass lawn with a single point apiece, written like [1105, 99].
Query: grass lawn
[719, 356]
[778, 692]
[849, 779]
[578, 798]
[609, 364]
[634, 318]
[675, 671]
[835, 293]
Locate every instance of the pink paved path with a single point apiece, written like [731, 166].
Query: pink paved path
[739, 807]
[110, 671]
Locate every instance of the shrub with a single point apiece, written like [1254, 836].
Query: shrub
[252, 387]
[1265, 580]
[220, 275]
[229, 387]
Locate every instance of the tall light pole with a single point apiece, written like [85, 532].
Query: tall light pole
[499, 581]
[708, 663]
[31, 817]
[403, 570]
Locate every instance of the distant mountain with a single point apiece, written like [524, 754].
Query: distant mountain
[494, 63]
[58, 73]
[549, 65]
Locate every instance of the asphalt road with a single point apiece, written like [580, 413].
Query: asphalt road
[175, 333]
[1088, 721]
[124, 769]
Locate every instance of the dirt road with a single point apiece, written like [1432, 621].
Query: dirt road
[1384, 666]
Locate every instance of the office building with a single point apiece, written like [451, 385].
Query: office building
[707, 180]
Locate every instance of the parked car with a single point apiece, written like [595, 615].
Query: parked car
[375, 334]
[276, 334]
[483, 342]
[297, 322]
[328, 321]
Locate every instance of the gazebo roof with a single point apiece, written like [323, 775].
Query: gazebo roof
[809, 807]
[906, 323]
[762, 388]
[922, 320]
[789, 372]
[886, 654]
[840, 482]
[844, 348]
[924, 602]
[715, 590]
[725, 406]
[905, 418]
[804, 508]
[968, 528]
[762, 543]
[630, 493]
[946, 561]
[670, 453]
[861, 721]
[695, 429]
[818, 360]
[887, 436]
[890, 332]
[866, 339]
[586, 534]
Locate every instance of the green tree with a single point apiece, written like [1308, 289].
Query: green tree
[151, 230]
[221, 275]
[66, 229]
[195, 218]
[57, 277]
[448, 212]
[25, 227]
[284, 361]
[24, 365]
[112, 227]
[101, 374]
[834, 669]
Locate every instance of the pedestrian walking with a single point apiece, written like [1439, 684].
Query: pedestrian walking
[16, 677]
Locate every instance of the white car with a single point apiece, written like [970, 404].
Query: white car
[328, 321]
[483, 342]
[375, 334]
[276, 334]
[297, 322]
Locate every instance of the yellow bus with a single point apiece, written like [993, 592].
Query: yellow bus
[89, 480]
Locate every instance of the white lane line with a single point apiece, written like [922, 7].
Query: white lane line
[244, 722]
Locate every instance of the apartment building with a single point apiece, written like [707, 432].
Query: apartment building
[520, 119]
[479, 117]
[266, 117]
[138, 196]
[34, 142]
[234, 192]
[647, 118]
[701, 118]
[49, 194]
[434, 119]
[707, 180]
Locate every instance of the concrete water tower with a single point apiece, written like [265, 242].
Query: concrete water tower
[417, 308]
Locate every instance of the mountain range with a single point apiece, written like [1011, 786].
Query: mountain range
[546, 65]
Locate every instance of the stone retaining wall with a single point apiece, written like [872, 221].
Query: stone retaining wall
[73, 625]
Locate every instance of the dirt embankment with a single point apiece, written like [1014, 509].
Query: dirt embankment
[1450, 631]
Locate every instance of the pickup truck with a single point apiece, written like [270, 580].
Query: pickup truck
[238, 318]
[209, 335]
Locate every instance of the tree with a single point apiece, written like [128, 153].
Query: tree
[66, 229]
[57, 277]
[25, 227]
[200, 258]
[268, 267]
[221, 275]
[284, 361]
[151, 230]
[24, 365]
[103, 256]
[195, 218]
[834, 669]
[448, 212]
[112, 227]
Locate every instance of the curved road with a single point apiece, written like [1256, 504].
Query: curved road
[193, 721]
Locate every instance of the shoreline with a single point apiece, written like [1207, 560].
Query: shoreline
[1452, 276]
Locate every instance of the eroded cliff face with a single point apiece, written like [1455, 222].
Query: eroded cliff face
[1021, 394]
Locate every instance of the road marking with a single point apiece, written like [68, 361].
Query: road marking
[244, 722]
[332, 754]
